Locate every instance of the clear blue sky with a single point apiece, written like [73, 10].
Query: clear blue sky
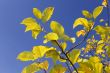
[14, 40]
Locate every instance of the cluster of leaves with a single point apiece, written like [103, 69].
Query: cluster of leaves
[93, 58]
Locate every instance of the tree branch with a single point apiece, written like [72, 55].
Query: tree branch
[78, 43]
[66, 56]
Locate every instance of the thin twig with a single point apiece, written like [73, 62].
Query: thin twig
[78, 43]
[66, 56]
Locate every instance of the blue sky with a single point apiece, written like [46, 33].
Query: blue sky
[14, 40]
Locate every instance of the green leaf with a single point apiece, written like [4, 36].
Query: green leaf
[97, 11]
[81, 21]
[47, 13]
[57, 27]
[50, 36]
[74, 55]
[34, 67]
[87, 14]
[25, 56]
[39, 51]
[58, 69]
[37, 13]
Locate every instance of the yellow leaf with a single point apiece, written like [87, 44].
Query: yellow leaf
[50, 36]
[35, 33]
[37, 13]
[57, 27]
[98, 68]
[74, 55]
[39, 51]
[104, 3]
[97, 11]
[85, 67]
[43, 65]
[34, 67]
[52, 54]
[67, 38]
[25, 56]
[81, 32]
[47, 13]
[64, 45]
[107, 69]
[32, 25]
[94, 59]
[28, 21]
[87, 14]
[99, 48]
[58, 69]
[81, 21]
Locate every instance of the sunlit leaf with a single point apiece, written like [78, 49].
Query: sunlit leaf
[64, 45]
[74, 55]
[52, 54]
[94, 59]
[104, 3]
[58, 69]
[107, 69]
[85, 67]
[57, 27]
[34, 67]
[43, 65]
[32, 25]
[50, 36]
[35, 33]
[47, 13]
[81, 32]
[39, 51]
[67, 38]
[97, 11]
[81, 21]
[25, 56]
[98, 68]
[37, 13]
[99, 48]
[87, 14]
